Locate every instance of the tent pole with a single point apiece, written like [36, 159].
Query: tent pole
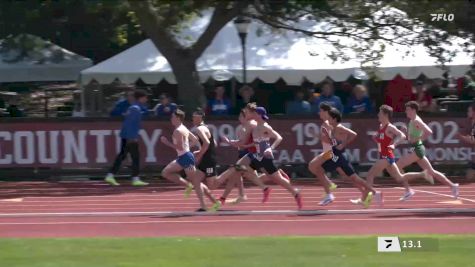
[83, 99]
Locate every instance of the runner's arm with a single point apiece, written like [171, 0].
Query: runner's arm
[399, 136]
[467, 139]
[204, 147]
[177, 136]
[425, 128]
[351, 136]
[276, 136]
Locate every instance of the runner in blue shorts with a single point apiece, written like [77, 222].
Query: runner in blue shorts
[185, 161]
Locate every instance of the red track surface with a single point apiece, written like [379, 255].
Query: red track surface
[89, 209]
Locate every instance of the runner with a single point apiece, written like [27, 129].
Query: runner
[245, 145]
[205, 156]
[262, 133]
[242, 151]
[388, 137]
[185, 161]
[417, 132]
[470, 140]
[340, 138]
[130, 140]
[326, 154]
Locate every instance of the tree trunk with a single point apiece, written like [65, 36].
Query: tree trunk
[190, 91]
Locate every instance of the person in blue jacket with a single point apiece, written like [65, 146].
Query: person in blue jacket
[122, 105]
[327, 96]
[130, 139]
[359, 102]
[166, 107]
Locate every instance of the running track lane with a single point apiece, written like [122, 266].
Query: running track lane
[91, 209]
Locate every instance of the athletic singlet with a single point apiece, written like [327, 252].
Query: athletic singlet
[414, 133]
[251, 149]
[210, 154]
[327, 146]
[383, 143]
[261, 145]
[186, 143]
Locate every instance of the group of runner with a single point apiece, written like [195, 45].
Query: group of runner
[256, 140]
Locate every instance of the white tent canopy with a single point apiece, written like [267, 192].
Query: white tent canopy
[290, 56]
[47, 63]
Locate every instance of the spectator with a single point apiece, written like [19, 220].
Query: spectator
[359, 102]
[299, 106]
[468, 89]
[219, 105]
[328, 97]
[420, 94]
[246, 94]
[166, 107]
[122, 105]
[14, 110]
[397, 92]
[435, 90]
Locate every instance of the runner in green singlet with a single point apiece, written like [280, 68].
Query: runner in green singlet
[417, 132]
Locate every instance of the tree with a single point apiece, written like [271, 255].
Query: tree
[95, 29]
[369, 23]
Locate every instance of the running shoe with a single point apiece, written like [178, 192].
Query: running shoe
[266, 192]
[137, 182]
[356, 201]
[111, 180]
[216, 206]
[237, 200]
[455, 191]
[298, 199]
[327, 200]
[222, 200]
[201, 210]
[378, 197]
[428, 177]
[368, 200]
[333, 187]
[188, 190]
[407, 195]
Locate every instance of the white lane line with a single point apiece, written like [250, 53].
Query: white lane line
[255, 212]
[192, 206]
[440, 194]
[239, 221]
[174, 202]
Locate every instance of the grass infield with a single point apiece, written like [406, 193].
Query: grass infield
[351, 251]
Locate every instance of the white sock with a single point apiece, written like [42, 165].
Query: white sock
[135, 179]
[110, 175]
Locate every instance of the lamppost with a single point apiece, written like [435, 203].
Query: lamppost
[242, 26]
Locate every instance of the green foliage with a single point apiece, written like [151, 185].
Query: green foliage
[95, 29]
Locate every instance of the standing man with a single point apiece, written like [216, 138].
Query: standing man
[469, 139]
[130, 140]
[122, 106]
[387, 138]
[417, 132]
